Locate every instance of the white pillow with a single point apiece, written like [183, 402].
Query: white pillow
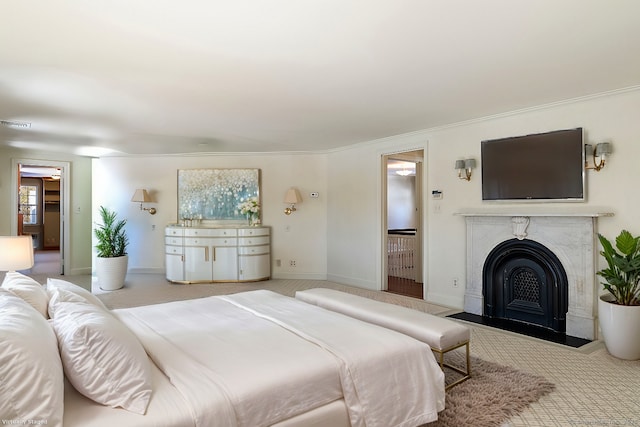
[31, 376]
[102, 358]
[27, 289]
[53, 284]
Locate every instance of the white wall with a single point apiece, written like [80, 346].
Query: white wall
[116, 178]
[354, 208]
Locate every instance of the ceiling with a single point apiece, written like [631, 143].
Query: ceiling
[127, 77]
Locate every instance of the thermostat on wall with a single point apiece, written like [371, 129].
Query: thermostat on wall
[436, 194]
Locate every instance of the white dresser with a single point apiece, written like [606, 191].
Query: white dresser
[233, 254]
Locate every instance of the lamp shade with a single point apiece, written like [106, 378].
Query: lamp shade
[16, 253]
[603, 148]
[459, 164]
[141, 196]
[470, 163]
[292, 197]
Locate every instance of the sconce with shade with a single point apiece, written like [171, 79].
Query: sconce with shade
[465, 167]
[16, 253]
[292, 197]
[599, 155]
[142, 196]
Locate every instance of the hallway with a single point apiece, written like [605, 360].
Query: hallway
[46, 262]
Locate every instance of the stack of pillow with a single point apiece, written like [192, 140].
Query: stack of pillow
[61, 330]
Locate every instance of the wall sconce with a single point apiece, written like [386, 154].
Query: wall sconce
[141, 196]
[16, 253]
[465, 166]
[292, 197]
[599, 155]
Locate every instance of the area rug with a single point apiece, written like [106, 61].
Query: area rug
[492, 395]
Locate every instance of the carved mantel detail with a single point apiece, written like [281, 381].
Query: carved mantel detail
[520, 224]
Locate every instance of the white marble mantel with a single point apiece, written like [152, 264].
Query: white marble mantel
[570, 233]
[537, 211]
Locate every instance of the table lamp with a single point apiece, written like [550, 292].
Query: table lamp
[16, 253]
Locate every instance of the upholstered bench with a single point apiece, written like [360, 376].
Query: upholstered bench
[442, 335]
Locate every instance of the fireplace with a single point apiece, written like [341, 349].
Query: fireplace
[524, 281]
[535, 247]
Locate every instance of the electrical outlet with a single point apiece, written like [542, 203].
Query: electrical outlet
[278, 263]
[292, 263]
[455, 282]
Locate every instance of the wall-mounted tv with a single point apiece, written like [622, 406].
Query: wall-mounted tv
[539, 167]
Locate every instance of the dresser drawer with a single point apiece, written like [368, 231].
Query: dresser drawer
[250, 241]
[171, 240]
[174, 250]
[210, 232]
[210, 241]
[253, 231]
[173, 231]
[253, 250]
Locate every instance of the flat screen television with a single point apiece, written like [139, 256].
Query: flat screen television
[539, 167]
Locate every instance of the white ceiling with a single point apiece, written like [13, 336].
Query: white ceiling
[147, 77]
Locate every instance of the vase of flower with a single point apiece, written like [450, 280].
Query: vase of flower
[251, 208]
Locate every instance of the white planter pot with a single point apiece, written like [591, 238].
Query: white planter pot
[620, 326]
[111, 272]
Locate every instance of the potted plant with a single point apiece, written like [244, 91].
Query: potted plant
[112, 260]
[619, 310]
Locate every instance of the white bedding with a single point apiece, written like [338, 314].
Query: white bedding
[240, 360]
[167, 408]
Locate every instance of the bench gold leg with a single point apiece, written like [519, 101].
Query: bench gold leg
[466, 373]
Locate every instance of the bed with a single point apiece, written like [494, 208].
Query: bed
[245, 360]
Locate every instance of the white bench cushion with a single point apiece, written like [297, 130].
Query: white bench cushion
[439, 333]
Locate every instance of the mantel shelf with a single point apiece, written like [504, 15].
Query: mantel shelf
[536, 211]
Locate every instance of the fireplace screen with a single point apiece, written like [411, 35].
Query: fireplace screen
[524, 281]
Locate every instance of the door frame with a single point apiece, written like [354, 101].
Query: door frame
[65, 174]
[415, 155]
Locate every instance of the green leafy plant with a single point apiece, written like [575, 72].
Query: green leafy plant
[111, 235]
[623, 272]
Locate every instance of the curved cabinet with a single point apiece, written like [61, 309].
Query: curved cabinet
[174, 253]
[254, 255]
[202, 255]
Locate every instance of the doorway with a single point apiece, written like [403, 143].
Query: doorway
[402, 213]
[40, 193]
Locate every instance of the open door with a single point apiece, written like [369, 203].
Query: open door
[403, 220]
[20, 214]
[40, 193]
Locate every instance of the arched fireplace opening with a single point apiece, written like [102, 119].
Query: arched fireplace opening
[524, 281]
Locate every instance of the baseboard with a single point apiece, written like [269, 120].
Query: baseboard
[142, 270]
[445, 300]
[78, 271]
[352, 281]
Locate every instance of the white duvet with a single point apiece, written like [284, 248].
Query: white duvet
[256, 358]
